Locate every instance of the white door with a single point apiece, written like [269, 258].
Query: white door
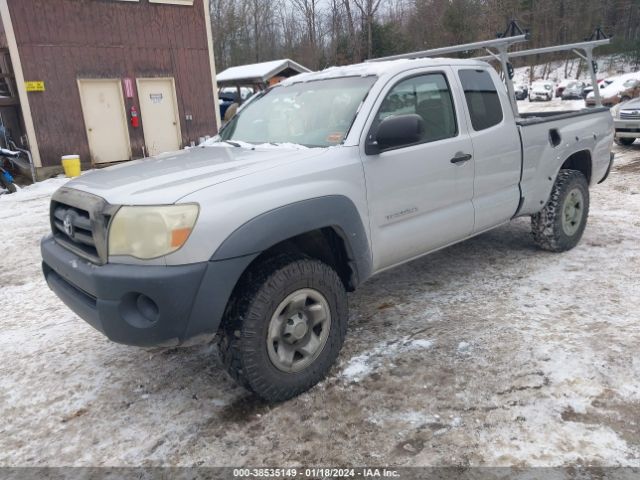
[105, 119]
[421, 194]
[159, 111]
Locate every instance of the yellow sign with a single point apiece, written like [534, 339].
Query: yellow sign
[34, 86]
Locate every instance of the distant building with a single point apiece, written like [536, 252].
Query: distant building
[259, 75]
[110, 80]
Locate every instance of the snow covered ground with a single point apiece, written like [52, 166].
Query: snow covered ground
[490, 352]
[608, 65]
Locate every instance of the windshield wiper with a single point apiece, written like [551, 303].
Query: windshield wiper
[235, 144]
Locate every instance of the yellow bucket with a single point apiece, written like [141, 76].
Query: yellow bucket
[71, 165]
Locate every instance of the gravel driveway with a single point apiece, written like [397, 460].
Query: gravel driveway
[490, 352]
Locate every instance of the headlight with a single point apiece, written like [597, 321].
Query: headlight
[615, 111]
[151, 231]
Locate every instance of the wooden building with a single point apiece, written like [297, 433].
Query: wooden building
[109, 80]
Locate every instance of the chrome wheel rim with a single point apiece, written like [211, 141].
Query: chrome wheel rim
[572, 212]
[298, 330]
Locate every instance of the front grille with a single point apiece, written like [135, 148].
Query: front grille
[630, 115]
[74, 225]
[80, 221]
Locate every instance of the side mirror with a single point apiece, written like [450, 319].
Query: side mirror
[396, 131]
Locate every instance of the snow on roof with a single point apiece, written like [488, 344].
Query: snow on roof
[261, 72]
[376, 68]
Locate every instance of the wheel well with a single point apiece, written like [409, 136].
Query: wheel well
[580, 161]
[324, 244]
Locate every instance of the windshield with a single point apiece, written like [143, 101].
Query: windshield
[313, 114]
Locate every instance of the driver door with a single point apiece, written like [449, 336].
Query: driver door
[420, 195]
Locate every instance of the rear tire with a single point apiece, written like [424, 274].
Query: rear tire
[625, 142]
[284, 327]
[560, 224]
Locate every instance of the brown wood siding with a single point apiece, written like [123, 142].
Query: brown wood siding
[62, 40]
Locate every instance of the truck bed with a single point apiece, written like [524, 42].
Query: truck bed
[548, 137]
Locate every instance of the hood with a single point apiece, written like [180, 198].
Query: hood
[633, 104]
[169, 177]
[539, 88]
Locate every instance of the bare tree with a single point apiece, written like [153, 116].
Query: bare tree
[368, 10]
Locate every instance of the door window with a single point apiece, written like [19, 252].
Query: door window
[428, 96]
[482, 98]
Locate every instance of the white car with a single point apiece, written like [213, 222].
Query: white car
[541, 91]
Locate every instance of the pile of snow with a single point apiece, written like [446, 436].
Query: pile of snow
[37, 190]
[361, 366]
[216, 142]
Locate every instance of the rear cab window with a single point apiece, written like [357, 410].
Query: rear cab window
[482, 99]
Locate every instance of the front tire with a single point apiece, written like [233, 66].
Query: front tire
[284, 327]
[560, 224]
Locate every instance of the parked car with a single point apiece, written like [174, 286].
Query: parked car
[601, 84]
[626, 117]
[630, 89]
[561, 87]
[618, 91]
[311, 189]
[573, 91]
[521, 91]
[229, 95]
[541, 90]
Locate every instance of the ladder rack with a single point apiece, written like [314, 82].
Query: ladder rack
[497, 43]
[587, 54]
[501, 45]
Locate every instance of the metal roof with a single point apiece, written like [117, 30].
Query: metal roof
[258, 72]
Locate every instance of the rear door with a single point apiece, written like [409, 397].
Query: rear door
[496, 147]
[419, 199]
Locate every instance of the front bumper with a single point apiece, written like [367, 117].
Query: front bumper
[627, 128]
[143, 305]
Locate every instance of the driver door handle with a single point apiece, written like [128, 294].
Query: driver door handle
[461, 158]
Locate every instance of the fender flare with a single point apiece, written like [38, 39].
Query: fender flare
[274, 226]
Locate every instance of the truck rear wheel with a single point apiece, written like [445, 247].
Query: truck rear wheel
[284, 327]
[560, 224]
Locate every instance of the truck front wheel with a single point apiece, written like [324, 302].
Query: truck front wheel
[284, 327]
[560, 224]
[625, 141]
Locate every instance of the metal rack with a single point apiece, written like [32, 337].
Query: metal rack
[498, 49]
[587, 54]
[501, 45]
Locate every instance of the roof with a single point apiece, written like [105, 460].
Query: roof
[258, 72]
[389, 67]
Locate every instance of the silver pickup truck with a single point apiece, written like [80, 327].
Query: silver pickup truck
[323, 181]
